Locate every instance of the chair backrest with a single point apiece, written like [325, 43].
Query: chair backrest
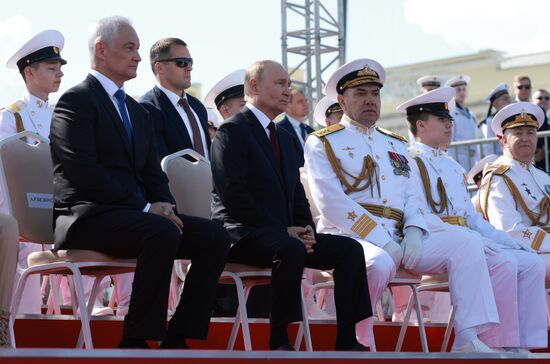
[27, 185]
[190, 181]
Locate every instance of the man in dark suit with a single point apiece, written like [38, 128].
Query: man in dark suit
[180, 120]
[294, 121]
[260, 200]
[110, 195]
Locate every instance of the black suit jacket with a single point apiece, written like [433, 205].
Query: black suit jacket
[250, 191]
[96, 168]
[170, 131]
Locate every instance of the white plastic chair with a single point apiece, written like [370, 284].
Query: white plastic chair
[190, 181]
[27, 182]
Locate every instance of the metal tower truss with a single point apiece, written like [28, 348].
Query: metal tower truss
[313, 40]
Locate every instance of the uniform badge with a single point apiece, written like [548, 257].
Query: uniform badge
[349, 150]
[527, 234]
[400, 164]
[528, 191]
[352, 216]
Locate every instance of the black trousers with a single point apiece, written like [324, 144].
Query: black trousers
[287, 257]
[156, 242]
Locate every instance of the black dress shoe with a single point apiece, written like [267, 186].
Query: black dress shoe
[284, 347]
[131, 343]
[355, 347]
[173, 344]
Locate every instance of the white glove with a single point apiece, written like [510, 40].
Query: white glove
[412, 247]
[507, 241]
[394, 251]
[491, 248]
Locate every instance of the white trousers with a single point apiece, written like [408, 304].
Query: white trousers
[517, 278]
[122, 288]
[31, 300]
[461, 255]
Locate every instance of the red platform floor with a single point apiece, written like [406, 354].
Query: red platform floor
[44, 341]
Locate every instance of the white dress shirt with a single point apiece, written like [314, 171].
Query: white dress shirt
[297, 130]
[174, 99]
[264, 120]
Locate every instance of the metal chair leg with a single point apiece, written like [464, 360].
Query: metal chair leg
[421, 328]
[448, 330]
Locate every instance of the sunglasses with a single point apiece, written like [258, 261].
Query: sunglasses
[543, 98]
[521, 87]
[181, 62]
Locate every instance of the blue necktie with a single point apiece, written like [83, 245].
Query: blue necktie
[120, 96]
[303, 131]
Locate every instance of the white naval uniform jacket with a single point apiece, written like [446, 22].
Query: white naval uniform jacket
[343, 212]
[504, 212]
[464, 128]
[440, 165]
[35, 114]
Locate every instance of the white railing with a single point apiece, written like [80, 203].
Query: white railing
[487, 146]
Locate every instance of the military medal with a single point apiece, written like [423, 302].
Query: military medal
[400, 164]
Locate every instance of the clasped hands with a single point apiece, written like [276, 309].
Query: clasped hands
[305, 234]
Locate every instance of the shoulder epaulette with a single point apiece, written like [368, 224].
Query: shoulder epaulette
[497, 169]
[392, 134]
[328, 130]
[16, 106]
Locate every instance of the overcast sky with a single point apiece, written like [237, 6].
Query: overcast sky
[227, 35]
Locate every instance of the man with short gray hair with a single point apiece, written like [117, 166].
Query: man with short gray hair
[111, 196]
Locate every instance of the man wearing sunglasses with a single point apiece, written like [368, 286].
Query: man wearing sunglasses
[180, 120]
[541, 98]
[522, 88]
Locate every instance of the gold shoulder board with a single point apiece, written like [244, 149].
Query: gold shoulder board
[497, 169]
[392, 134]
[328, 130]
[16, 106]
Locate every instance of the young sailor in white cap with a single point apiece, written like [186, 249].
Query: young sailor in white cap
[476, 174]
[213, 122]
[227, 96]
[464, 123]
[514, 195]
[428, 83]
[39, 62]
[514, 269]
[327, 112]
[498, 98]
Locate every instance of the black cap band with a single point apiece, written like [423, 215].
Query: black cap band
[230, 93]
[432, 108]
[498, 94]
[332, 109]
[431, 83]
[44, 54]
[356, 78]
